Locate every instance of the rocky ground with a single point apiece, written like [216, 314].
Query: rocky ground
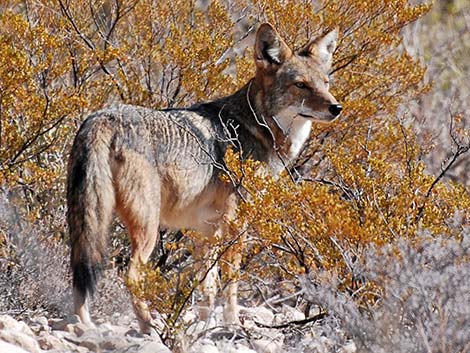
[70, 335]
[55, 335]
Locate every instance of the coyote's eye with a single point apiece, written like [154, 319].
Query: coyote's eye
[300, 85]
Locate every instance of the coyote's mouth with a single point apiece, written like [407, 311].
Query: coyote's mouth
[319, 118]
[306, 116]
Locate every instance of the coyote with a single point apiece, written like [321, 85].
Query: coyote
[161, 167]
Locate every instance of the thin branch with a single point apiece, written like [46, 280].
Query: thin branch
[91, 46]
[289, 324]
[461, 149]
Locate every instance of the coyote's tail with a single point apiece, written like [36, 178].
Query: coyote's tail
[90, 201]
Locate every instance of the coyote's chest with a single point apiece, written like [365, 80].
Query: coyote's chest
[293, 134]
[300, 132]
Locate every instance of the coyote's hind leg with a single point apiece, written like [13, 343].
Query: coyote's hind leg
[138, 207]
[143, 238]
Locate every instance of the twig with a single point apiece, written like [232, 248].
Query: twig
[461, 149]
[314, 318]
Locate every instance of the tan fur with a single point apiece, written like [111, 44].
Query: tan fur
[161, 167]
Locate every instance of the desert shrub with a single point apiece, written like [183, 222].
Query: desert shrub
[442, 40]
[422, 307]
[34, 272]
[33, 268]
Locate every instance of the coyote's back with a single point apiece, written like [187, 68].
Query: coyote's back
[158, 168]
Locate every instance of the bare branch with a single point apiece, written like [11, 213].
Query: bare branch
[289, 324]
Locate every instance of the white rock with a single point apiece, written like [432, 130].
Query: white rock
[80, 350]
[20, 339]
[80, 328]
[48, 342]
[321, 344]
[24, 328]
[242, 349]
[153, 347]
[200, 326]
[41, 320]
[258, 314]
[39, 324]
[288, 314]
[134, 333]
[91, 335]
[350, 347]
[267, 346]
[106, 329]
[58, 334]
[100, 321]
[90, 345]
[9, 348]
[114, 344]
[10, 324]
[69, 328]
[115, 330]
[61, 325]
[203, 346]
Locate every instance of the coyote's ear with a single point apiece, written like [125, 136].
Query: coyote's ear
[270, 50]
[322, 48]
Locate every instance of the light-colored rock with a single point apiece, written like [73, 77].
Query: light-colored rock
[10, 324]
[205, 349]
[59, 334]
[91, 335]
[91, 339]
[242, 349]
[190, 315]
[200, 326]
[350, 347]
[80, 328]
[81, 349]
[288, 314]
[114, 344]
[60, 325]
[267, 346]
[134, 333]
[24, 328]
[91, 345]
[153, 347]
[48, 342]
[204, 346]
[114, 330]
[69, 328]
[320, 344]
[41, 320]
[258, 314]
[39, 324]
[106, 327]
[6, 347]
[17, 338]
[100, 321]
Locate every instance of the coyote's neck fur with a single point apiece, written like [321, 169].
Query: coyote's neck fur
[279, 140]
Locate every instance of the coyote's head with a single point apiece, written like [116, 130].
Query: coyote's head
[294, 85]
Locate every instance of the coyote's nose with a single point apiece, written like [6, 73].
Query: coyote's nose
[335, 109]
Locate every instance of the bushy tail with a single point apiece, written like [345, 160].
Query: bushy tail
[90, 200]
